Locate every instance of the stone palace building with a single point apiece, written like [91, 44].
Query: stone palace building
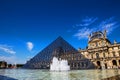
[100, 54]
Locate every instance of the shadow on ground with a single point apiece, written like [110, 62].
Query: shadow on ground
[6, 78]
[117, 77]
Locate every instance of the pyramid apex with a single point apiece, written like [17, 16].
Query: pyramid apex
[59, 38]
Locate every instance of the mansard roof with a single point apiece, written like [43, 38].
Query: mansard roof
[97, 34]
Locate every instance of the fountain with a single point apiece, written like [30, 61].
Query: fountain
[59, 65]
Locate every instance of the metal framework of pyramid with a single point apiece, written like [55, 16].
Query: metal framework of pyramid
[47, 53]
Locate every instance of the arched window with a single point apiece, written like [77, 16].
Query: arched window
[119, 62]
[98, 64]
[114, 62]
[82, 64]
[97, 55]
[103, 54]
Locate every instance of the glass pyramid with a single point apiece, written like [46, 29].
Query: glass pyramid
[43, 58]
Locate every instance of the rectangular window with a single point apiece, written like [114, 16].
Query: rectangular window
[97, 55]
[119, 47]
[92, 56]
[103, 54]
[112, 48]
[119, 53]
[113, 54]
[115, 48]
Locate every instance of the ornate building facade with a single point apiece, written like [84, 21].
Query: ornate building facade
[101, 52]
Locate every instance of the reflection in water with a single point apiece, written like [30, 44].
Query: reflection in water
[83, 74]
[59, 76]
[37, 74]
[2, 71]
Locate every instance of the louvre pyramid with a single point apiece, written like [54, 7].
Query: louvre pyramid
[47, 53]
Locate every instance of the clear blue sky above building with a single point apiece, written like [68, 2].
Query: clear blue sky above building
[28, 26]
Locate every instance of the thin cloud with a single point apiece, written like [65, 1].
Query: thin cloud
[108, 24]
[7, 49]
[87, 21]
[83, 33]
[11, 59]
[30, 46]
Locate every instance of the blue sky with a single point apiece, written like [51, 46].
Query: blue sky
[27, 27]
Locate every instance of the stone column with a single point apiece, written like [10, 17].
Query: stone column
[117, 62]
[77, 65]
[80, 65]
[73, 65]
[102, 65]
[109, 64]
